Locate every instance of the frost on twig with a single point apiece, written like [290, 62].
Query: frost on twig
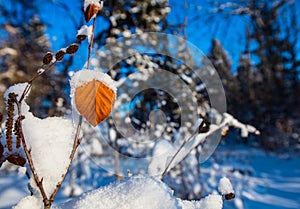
[162, 164]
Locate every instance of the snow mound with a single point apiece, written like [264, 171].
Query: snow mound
[51, 141]
[135, 192]
[139, 192]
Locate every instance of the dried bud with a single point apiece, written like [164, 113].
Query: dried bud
[1, 117]
[1, 150]
[204, 127]
[17, 131]
[224, 132]
[80, 38]
[91, 11]
[229, 196]
[60, 55]
[16, 159]
[72, 49]
[47, 58]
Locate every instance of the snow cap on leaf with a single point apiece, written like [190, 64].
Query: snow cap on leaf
[93, 95]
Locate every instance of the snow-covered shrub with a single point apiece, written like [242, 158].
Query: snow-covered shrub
[47, 146]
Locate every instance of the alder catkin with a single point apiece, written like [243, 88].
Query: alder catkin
[9, 121]
[17, 131]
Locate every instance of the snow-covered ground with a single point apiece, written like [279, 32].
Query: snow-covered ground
[260, 180]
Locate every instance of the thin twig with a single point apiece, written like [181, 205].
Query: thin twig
[77, 139]
[29, 83]
[38, 181]
[180, 148]
[91, 43]
[211, 130]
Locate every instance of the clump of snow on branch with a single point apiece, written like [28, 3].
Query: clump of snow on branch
[139, 192]
[18, 89]
[158, 165]
[50, 141]
[225, 186]
[86, 31]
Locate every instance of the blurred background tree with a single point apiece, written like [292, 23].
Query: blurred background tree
[23, 44]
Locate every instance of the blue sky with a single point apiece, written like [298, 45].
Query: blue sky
[64, 16]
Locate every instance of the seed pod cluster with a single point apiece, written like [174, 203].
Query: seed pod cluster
[9, 122]
[1, 152]
[1, 117]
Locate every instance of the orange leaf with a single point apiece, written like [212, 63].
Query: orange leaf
[94, 101]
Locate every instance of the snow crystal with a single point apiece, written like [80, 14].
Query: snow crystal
[95, 2]
[225, 186]
[51, 142]
[29, 202]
